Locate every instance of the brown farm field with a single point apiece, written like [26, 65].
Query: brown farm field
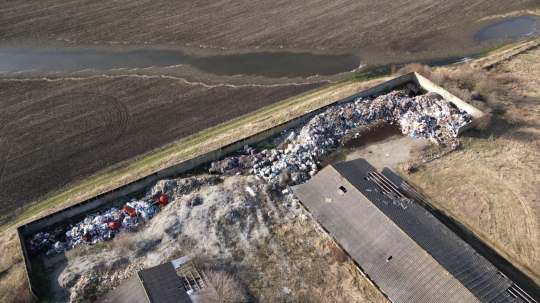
[58, 132]
[378, 31]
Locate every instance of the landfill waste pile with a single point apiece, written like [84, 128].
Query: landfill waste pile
[425, 116]
[231, 227]
[97, 227]
[225, 221]
[92, 285]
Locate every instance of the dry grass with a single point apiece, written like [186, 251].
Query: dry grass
[297, 258]
[122, 243]
[491, 183]
[227, 288]
[513, 115]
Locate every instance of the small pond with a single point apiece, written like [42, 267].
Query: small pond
[374, 133]
[509, 29]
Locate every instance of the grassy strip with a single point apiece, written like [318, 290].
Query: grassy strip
[188, 147]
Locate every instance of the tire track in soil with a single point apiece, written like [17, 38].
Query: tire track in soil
[6, 140]
[529, 222]
[114, 112]
[508, 217]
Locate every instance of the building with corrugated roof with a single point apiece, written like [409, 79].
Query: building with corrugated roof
[178, 281]
[408, 253]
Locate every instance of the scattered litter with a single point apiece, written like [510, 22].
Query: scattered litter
[95, 228]
[424, 116]
[250, 191]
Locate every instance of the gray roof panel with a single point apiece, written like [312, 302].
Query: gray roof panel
[163, 285]
[371, 238]
[478, 275]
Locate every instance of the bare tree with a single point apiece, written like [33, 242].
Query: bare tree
[226, 288]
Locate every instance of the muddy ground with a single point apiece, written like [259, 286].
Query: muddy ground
[387, 153]
[55, 133]
[380, 31]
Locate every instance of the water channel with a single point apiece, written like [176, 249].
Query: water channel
[266, 64]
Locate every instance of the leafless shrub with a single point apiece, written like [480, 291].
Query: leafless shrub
[438, 78]
[484, 122]
[227, 289]
[463, 94]
[467, 77]
[423, 70]
[506, 78]
[487, 88]
[513, 115]
[338, 255]
[480, 105]
[496, 106]
[477, 80]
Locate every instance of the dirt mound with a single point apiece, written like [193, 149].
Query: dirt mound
[254, 239]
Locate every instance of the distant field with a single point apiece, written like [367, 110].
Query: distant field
[55, 133]
[388, 27]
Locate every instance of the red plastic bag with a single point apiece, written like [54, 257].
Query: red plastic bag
[114, 225]
[87, 238]
[164, 199]
[130, 211]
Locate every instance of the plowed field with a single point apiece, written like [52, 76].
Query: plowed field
[388, 27]
[55, 132]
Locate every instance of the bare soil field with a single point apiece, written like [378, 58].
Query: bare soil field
[376, 30]
[491, 183]
[56, 132]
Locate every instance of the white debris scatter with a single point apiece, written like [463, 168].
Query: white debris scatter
[425, 116]
[98, 227]
[91, 283]
[209, 212]
[228, 222]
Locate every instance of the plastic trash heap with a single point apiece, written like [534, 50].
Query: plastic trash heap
[97, 227]
[425, 116]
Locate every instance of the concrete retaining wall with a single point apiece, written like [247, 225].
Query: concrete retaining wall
[432, 87]
[184, 166]
[138, 185]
